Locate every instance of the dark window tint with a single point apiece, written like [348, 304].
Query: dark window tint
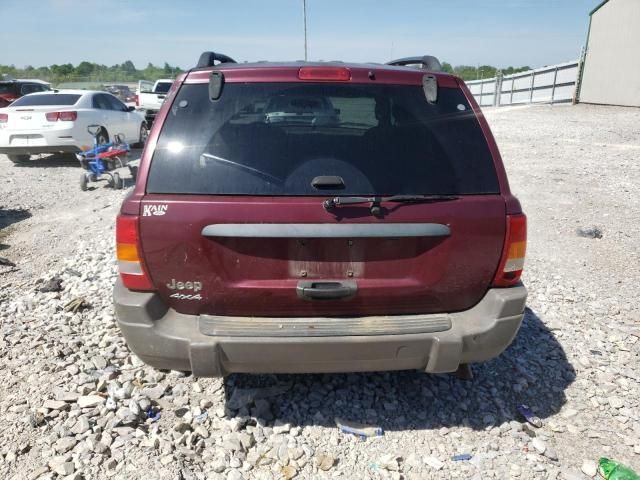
[46, 99]
[98, 102]
[115, 104]
[162, 87]
[9, 88]
[274, 139]
[32, 87]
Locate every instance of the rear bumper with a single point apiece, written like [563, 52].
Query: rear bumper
[57, 139]
[167, 339]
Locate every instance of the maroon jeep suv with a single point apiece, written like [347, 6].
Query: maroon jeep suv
[319, 217]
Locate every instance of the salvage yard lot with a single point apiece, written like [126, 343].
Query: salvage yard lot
[575, 362]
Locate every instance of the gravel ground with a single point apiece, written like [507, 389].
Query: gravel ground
[74, 403]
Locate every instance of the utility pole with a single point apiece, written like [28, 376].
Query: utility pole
[304, 13]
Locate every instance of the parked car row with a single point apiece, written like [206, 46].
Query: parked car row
[35, 119]
[312, 217]
[56, 121]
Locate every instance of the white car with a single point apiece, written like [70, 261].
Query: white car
[57, 121]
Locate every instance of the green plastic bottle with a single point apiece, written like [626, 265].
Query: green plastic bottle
[616, 471]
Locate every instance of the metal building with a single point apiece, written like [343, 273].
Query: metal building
[611, 69]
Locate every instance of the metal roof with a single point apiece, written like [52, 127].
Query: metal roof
[600, 5]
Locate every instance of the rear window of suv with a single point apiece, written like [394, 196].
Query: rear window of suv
[46, 99]
[275, 138]
[162, 87]
[10, 88]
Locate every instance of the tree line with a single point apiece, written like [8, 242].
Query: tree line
[467, 72]
[88, 72]
[127, 72]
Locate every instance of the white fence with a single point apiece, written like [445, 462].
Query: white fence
[552, 84]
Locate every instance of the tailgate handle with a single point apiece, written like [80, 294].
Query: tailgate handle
[311, 290]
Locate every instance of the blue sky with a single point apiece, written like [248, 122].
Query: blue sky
[494, 32]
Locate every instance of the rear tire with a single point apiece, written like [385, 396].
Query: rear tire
[19, 158]
[134, 172]
[118, 182]
[83, 182]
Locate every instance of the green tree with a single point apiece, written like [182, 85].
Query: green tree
[447, 68]
[85, 69]
[128, 67]
[487, 71]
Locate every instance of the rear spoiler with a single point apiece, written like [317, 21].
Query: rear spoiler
[426, 62]
[208, 59]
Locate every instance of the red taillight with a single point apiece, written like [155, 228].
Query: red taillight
[68, 116]
[513, 252]
[130, 264]
[331, 74]
[4, 118]
[62, 116]
[137, 100]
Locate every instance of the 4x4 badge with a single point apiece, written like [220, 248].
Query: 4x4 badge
[157, 210]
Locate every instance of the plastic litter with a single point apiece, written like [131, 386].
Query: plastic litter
[201, 418]
[358, 429]
[528, 415]
[612, 470]
[153, 414]
[462, 457]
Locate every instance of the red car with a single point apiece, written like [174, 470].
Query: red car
[12, 89]
[384, 239]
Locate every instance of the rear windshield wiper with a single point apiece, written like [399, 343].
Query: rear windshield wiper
[332, 203]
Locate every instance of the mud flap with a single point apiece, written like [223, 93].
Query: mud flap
[444, 356]
[205, 360]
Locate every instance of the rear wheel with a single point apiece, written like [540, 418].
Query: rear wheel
[19, 158]
[118, 183]
[83, 182]
[134, 172]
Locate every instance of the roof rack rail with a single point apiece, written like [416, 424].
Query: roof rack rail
[208, 59]
[426, 62]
